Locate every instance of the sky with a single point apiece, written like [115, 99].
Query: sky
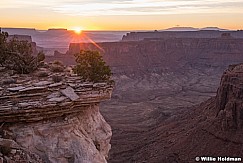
[121, 14]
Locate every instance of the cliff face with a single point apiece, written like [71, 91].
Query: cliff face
[21, 38]
[83, 137]
[218, 121]
[157, 82]
[166, 65]
[25, 38]
[53, 121]
[229, 98]
[212, 128]
[137, 36]
[158, 55]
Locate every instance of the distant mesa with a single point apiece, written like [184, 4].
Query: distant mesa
[213, 29]
[20, 31]
[57, 29]
[182, 29]
[59, 38]
[32, 31]
[195, 29]
[181, 32]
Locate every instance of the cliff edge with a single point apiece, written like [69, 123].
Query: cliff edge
[53, 117]
[210, 131]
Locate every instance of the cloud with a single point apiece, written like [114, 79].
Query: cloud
[26, 3]
[148, 7]
[129, 7]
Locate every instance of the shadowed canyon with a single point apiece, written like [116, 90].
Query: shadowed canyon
[177, 96]
[158, 111]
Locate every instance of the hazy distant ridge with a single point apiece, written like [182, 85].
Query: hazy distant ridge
[194, 29]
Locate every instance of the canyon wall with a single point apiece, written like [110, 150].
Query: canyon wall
[20, 38]
[137, 36]
[27, 38]
[211, 129]
[229, 99]
[52, 117]
[159, 55]
[165, 64]
[158, 84]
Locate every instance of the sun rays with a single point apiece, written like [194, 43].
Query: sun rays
[81, 37]
[77, 30]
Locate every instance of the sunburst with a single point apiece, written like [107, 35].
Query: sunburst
[77, 30]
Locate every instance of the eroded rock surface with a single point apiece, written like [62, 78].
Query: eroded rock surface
[229, 98]
[42, 120]
[212, 128]
[135, 36]
[83, 137]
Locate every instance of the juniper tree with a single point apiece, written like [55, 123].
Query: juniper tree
[91, 66]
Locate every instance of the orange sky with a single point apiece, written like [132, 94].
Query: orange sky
[121, 15]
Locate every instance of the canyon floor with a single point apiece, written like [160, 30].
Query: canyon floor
[144, 112]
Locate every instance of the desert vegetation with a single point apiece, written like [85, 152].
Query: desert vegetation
[57, 66]
[91, 66]
[18, 55]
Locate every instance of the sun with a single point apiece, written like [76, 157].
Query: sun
[77, 30]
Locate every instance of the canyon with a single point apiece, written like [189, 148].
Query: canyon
[158, 105]
[178, 33]
[174, 99]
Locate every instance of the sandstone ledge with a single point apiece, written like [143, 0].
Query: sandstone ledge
[28, 98]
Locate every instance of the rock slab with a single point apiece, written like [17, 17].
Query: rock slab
[69, 92]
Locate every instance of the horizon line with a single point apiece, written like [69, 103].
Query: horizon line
[121, 30]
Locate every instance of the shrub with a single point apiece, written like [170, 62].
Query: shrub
[40, 57]
[17, 55]
[3, 47]
[91, 66]
[57, 62]
[20, 57]
[57, 68]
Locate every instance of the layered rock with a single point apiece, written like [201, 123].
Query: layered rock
[137, 36]
[157, 82]
[217, 122]
[158, 55]
[229, 98]
[211, 129]
[55, 116]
